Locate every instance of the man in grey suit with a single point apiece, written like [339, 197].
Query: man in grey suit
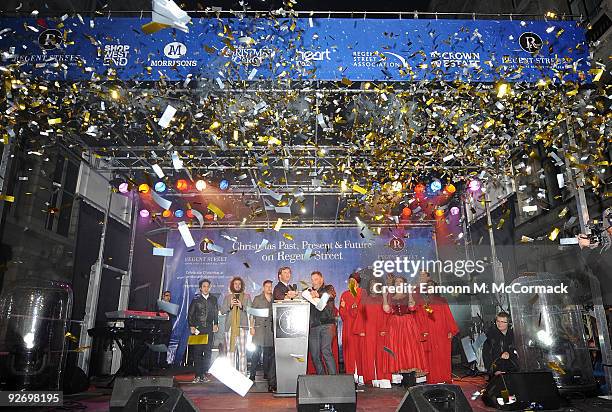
[262, 333]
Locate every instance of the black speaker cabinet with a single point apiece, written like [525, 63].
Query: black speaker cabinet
[434, 398]
[124, 387]
[313, 391]
[527, 387]
[159, 399]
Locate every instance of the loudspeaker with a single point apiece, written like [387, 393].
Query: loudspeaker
[124, 387]
[159, 399]
[527, 388]
[434, 398]
[316, 390]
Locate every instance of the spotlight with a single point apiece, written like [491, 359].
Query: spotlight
[303, 210]
[179, 213]
[124, 187]
[474, 185]
[166, 213]
[144, 213]
[114, 93]
[181, 185]
[450, 189]
[143, 188]
[251, 347]
[439, 213]
[396, 186]
[160, 187]
[419, 188]
[189, 213]
[200, 185]
[454, 210]
[224, 184]
[406, 212]
[435, 186]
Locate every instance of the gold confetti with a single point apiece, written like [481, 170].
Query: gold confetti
[278, 225]
[287, 236]
[359, 189]
[553, 235]
[216, 210]
[7, 198]
[153, 27]
[57, 120]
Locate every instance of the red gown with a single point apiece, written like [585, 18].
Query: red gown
[351, 344]
[372, 321]
[405, 337]
[437, 325]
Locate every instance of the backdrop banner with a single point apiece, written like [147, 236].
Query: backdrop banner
[220, 254]
[337, 49]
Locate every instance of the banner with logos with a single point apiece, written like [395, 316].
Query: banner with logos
[221, 254]
[225, 50]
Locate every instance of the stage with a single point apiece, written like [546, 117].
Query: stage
[215, 396]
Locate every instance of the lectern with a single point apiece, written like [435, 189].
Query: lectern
[291, 324]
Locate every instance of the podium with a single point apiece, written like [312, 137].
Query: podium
[291, 325]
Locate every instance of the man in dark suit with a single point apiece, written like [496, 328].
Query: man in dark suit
[283, 290]
[203, 318]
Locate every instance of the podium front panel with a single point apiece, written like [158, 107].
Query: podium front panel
[291, 324]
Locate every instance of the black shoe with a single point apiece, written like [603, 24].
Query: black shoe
[272, 389]
[252, 377]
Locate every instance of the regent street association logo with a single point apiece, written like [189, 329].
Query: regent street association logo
[530, 42]
[376, 59]
[50, 39]
[397, 244]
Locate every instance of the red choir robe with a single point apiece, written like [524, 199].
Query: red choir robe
[351, 348]
[437, 326]
[372, 323]
[405, 336]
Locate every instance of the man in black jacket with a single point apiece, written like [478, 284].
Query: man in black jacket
[322, 326]
[203, 318]
[498, 352]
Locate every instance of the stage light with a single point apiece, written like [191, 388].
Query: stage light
[251, 347]
[124, 187]
[474, 185]
[439, 213]
[303, 209]
[144, 213]
[435, 186]
[224, 184]
[406, 212]
[200, 185]
[450, 189]
[181, 185]
[396, 186]
[114, 93]
[166, 213]
[419, 188]
[160, 187]
[179, 213]
[143, 188]
[189, 213]
[454, 210]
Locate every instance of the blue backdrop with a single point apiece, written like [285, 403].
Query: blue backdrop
[317, 48]
[336, 253]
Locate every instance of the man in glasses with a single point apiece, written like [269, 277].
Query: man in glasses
[498, 352]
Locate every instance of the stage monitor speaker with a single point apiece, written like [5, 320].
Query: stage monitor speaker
[528, 388]
[314, 391]
[124, 387]
[75, 380]
[434, 398]
[159, 399]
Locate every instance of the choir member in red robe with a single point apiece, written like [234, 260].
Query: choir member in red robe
[371, 326]
[351, 348]
[439, 327]
[404, 332]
